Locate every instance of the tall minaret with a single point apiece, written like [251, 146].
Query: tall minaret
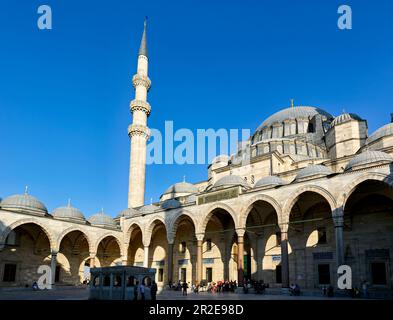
[138, 130]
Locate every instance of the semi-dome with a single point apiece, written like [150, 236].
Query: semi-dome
[148, 209]
[101, 219]
[24, 203]
[180, 189]
[127, 213]
[366, 158]
[293, 113]
[170, 204]
[386, 130]
[230, 180]
[269, 181]
[344, 118]
[68, 213]
[313, 171]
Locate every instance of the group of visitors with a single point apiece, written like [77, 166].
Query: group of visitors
[259, 286]
[221, 286]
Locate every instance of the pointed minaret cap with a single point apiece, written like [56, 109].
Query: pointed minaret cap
[143, 47]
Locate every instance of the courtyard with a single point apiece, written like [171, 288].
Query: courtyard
[82, 293]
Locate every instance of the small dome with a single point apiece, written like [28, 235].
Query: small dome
[170, 204]
[270, 181]
[368, 157]
[230, 180]
[183, 188]
[127, 213]
[386, 130]
[313, 171]
[69, 213]
[101, 219]
[24, 203]
[344, 118]
[148, 209]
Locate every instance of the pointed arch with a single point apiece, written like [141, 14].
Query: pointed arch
[109, 234]
[210, 211]
[48, 232]
[250, 203]
[351, 186]
[311, 188]
[72, 229]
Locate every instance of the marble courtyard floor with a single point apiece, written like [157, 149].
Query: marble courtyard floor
[82, 293]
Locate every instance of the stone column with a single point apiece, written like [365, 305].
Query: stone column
[199, 273]
[53, 264]
[338, 220]
[240, 256]
[146, 256]
[170, 262]
[284, 259]
[124, 261]
[92, 260]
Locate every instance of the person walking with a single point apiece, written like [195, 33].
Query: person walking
[142, 291]
[153, 290]
[185, 287]
[136, 290]
[365, 289]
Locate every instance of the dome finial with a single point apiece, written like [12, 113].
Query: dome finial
[69, 203]
[26, 189]
[344, 110]
[292, 104]
[102, 210]
[184, 178]
[151, 200]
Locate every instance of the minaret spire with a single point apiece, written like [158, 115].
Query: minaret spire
[143, 46]
[138, 131]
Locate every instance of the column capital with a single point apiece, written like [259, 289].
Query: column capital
[92, 254]
[240, 232]
[170, 237]
[284, 227]
[54, 252]
[200, 236]
[338, 217]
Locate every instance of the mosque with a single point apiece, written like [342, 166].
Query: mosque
[315, 193]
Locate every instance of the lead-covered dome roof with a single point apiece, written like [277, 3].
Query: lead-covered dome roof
[386, 130]
[269, 181]
[313, 171]
[181, 187]
[148, 209]
[230, 180]
[68, 213]
[293, 113]
[101, 219]
[368, 157]
[127, 213]
[24, 203]
[344, 118]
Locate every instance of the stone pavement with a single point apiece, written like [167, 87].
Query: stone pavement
[82, 293]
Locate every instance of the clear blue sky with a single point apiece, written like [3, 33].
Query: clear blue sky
[65, 93]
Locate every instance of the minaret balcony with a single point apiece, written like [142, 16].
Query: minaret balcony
[140, 80]
[140, 105]
[138, 130]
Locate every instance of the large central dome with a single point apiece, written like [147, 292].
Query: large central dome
[297, 130]
[293, 113]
